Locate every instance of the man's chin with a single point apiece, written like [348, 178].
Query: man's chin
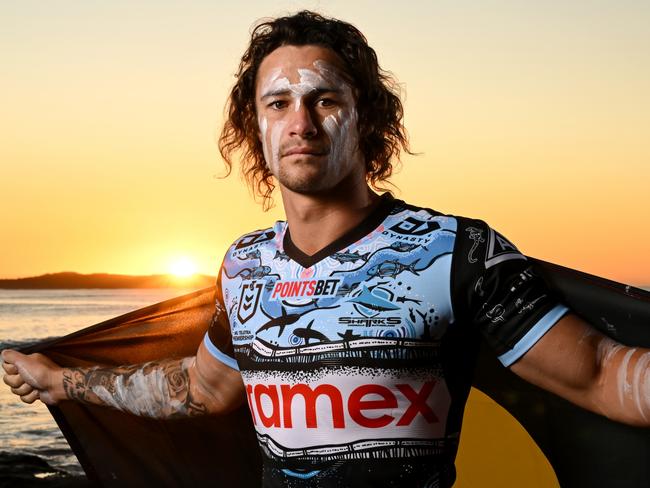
[306, 187]
[303, 178]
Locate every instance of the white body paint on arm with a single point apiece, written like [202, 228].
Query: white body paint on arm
[629, 370]
[147, 393]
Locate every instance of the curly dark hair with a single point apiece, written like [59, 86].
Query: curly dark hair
[381, 132]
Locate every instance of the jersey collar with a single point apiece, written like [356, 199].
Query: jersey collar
[367, 225]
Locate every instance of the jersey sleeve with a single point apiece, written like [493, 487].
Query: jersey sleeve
[218, 338]
[496, 289]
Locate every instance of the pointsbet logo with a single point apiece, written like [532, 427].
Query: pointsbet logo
[304, 288]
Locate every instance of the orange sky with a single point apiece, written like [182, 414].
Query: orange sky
[534, 117]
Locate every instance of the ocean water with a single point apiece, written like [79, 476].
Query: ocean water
[27, 316]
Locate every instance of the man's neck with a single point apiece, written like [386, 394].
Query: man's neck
[315, 221]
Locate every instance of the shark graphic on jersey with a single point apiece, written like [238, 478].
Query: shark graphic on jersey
[357, 361]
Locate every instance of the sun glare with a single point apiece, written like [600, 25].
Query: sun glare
[182, 268]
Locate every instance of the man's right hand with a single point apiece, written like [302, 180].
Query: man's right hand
[32, 377]
[167, 388]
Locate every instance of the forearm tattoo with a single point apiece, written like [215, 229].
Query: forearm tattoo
[159, 389]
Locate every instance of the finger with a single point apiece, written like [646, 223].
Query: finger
[13, 380]
[9, 355]
[30, 397]
[10, 368]
[22, 390]
[27, 375]
[46, 397]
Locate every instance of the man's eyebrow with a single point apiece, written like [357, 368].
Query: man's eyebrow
[316, 91]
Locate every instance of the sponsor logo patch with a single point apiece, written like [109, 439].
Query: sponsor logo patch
[372, 406]
[414, 227]
[304, 288]
[256, 238]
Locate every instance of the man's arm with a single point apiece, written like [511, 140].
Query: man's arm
[591, 370]
[160, 389]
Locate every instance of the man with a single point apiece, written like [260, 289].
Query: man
[351, 330]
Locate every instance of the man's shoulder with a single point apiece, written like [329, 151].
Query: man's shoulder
[469, 232]
[409, 212]
[249, 242]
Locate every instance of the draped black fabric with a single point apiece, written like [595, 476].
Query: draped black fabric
[586, 450]
[118, 449]
[121, 450]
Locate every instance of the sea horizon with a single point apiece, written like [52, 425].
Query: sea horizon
[160, 281]
[73, 280]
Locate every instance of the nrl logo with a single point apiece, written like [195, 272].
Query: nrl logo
[248, 300]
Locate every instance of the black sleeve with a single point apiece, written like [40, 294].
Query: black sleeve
[218, 339]
[495, 289]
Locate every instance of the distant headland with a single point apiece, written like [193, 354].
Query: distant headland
[69, 280]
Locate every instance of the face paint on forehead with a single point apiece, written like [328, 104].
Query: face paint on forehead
[324, 76]
[340, 127]
[332, 74]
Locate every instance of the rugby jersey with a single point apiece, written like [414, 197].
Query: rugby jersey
[358, 360]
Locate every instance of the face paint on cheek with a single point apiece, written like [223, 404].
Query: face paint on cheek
[264, 125]
[342, 132]
[271, 148]
[273, 158]
[342, 127]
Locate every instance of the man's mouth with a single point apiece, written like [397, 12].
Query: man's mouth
[304, 150]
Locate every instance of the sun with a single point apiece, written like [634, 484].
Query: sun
[182, 267]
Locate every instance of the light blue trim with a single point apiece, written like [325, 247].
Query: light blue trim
[224, 358]
[302, 476]
[533, 335]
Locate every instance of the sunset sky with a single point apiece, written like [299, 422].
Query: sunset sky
[534, 116]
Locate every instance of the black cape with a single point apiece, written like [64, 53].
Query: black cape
[117, 449]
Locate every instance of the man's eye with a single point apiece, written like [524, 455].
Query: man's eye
[326, 102]
[277, 104]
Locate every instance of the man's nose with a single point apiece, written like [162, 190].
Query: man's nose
[302, 122]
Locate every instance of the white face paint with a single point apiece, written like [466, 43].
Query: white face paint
[335, 134]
